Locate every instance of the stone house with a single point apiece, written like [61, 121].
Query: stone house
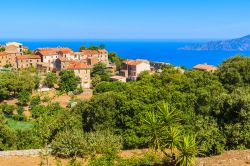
[81, 70]
[14, 48]
[205, 67]
[132, 68]
[7, 59]
[26, 61]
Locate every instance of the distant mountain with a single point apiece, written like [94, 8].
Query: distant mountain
[240, 44]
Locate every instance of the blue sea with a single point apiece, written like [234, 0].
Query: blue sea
[154, 50]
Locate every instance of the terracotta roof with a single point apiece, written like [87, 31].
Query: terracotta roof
[66, 50]
[133, 62]
[3, 53]
[51, 51]
[90, 52]
[28, 57]
[205, 67]
[77, 65]
[103, 51]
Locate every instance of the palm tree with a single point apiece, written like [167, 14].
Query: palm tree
[188, 150]
[172, 138]
[170, 115]
[154, 125]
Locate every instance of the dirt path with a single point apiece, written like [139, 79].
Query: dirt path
[230, 158]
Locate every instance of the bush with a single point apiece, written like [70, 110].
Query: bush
[20, 110]
[35, 100]
[69, 144]
[19, 117]
[50, 80]
[148, 159]
[7, 109]
[78, 91]
[37, 111]
[24, 97]
[101, 142]
[110, 86]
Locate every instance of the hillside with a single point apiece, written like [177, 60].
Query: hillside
[239, 44]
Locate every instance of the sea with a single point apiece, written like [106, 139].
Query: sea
[153, 50]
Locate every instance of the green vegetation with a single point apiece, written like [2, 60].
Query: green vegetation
[2, 49]
[101, 70]
[117, 60]
[50, 80]
[27, 52]
[68, 81]
[180, 115]
[12, 83]
[23, 97]
[82, 48]
[93, 47]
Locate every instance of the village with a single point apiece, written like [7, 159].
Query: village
[15, 56]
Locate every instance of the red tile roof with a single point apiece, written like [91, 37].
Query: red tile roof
[90, 52]
[28, 57]
[205, 67]
[3, 53]
[51, 51]
[133, 62]
[77, 65]
[102, 51]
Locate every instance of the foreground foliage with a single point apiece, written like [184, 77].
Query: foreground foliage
[206, 113]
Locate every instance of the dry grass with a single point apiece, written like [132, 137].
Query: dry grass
[230, 158]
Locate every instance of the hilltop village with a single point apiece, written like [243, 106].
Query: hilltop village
[15, 56]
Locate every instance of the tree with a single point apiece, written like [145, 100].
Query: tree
[94, 48]
[114, 58]
[69, 144]
[82, 48]
[101, 70]
[165, 132]
[95, 81]
[188, 150]
[7, 135]
[50, 79]
[110, 86]
[234, 72]
[2, 49]
[35, 100]
[68, 81]
[4, 93]
[24, 97]
[27, 52]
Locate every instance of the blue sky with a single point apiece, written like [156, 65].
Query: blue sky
[124, 19]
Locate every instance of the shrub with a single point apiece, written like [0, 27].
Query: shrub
[19, 117]
[103, 142]
[148, 159]
[7, 109]
[20, 110]
[69, 144]
[24, 97]
[35, 100]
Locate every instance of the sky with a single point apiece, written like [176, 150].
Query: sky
[124, 19]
